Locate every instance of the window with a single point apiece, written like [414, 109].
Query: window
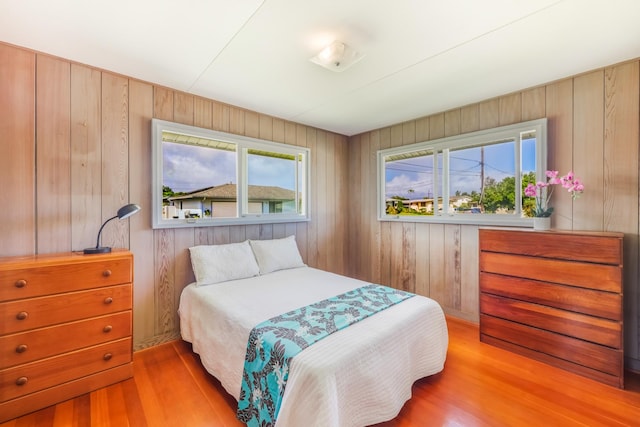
[203, 177]
[475, 178]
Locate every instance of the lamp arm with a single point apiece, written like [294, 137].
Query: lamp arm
[100, 231]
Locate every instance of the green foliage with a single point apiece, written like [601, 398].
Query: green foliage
[528, 203]
[167, 192]
[501, 195]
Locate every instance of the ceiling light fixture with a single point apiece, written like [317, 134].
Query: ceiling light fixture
[337, 57]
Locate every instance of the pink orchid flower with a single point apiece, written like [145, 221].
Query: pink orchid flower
[570, 182]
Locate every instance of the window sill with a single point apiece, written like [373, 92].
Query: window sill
[248, 220]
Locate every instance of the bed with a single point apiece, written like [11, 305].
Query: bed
[357, 376]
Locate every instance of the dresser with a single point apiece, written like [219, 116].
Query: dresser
[65, 327]
[556, 297]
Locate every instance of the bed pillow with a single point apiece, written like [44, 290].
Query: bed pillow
[218, 263]
[276, 254]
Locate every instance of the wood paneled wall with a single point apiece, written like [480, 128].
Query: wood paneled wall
[593, 130]
[75, 145]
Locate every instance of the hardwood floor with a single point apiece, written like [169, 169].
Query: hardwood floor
[480, 386]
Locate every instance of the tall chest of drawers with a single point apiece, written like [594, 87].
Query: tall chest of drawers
[65, 327]
[555, 296]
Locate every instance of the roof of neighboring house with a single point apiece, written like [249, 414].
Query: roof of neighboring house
[228, 192]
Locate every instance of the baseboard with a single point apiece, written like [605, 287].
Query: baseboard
[632, 365]
[156, 340]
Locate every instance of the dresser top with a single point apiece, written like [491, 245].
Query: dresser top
[60, 258]
[559, 231]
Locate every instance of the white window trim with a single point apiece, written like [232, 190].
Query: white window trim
[460, 141]
[243, 145]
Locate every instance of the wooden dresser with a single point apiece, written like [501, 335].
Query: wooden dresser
[65, 327]
[556, 297]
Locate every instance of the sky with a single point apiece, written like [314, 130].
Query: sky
[465, 170]
[188, 167]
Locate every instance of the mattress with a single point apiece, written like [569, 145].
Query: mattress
[357, 376]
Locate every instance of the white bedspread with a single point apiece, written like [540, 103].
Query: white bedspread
[358, 376]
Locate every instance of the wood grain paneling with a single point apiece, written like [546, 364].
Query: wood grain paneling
[489, 114]
[510, 109]
[366, 205]
[533, 104]
[621, 127]
[163, 103]
[559, 106]
[86, 155]
[115, 158]
[183, 108]
[452, 122]
[588, 149]
[436, 126]
[18, 150]
[355, 268]
[140, 113]
[375, 230]
[53, 154]
[385, 227]
[202, 115]
[470, 118]
[469, 281]
[452, 266]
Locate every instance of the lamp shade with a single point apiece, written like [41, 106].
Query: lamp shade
[124, 212]
[127, 210]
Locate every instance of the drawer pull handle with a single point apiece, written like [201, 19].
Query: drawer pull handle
[22, 381]
[106, 273]
[107, 356]
[21, 283]
[21, 348]
[22, 315]
[107, 329]
[108, 300]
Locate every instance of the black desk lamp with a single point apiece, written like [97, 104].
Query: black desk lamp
[124, 212]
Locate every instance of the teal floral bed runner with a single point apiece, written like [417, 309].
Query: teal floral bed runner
[273, 343]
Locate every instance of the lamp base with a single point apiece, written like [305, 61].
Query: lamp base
[97, 250]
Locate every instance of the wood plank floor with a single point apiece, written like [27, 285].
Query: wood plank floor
[480, 386]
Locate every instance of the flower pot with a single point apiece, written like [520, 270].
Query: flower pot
[542, 223]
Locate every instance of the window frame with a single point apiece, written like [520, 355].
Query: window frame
[441, 146]
[243, 145]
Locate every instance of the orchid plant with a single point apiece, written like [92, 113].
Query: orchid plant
[542, 191]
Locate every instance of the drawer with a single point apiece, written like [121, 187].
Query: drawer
[554, 244]
[25, 347]
[31, 313]
[80, 272]
[31, 377]
[587, 301]
[579, 352]
[587, 328]
[584, 275]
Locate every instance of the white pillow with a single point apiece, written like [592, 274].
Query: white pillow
[276, 254]
[219, 263]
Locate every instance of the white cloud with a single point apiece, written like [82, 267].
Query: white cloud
[187, 168]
